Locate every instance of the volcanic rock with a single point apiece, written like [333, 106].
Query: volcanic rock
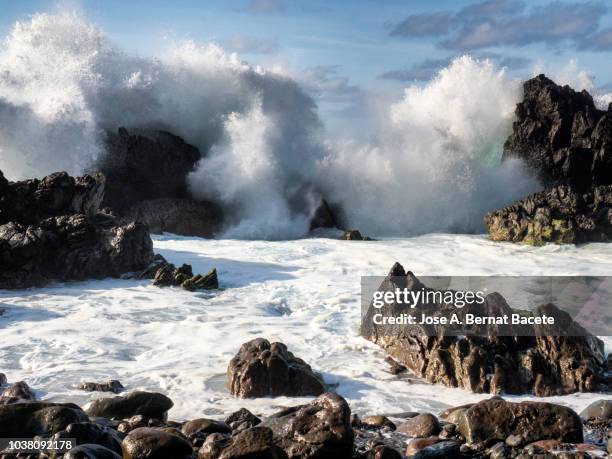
[261, 369]
[320, 428]
[423, 425]
[256, 442]
[168, 275]
[89, 432]
[150, 443]
[26, 420]
[110, 386]
[500, 360]
[149, 404]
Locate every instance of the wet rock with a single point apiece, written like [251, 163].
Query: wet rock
[499, 451]
[395, 367]
[601, 410]
[51, 229]
[3, 380]
[17, 391]
[377, 421]
[547, 364]
[167, 275]
[150, 443]
[441, 450]
[423, 425]
[89, 432]
[417, 444]
[91, 451]
[381, 452]
[320, 428]
[26, 420]
[354, 235]
[149, 404]
[242, 419]
[324, 217]
[514, 441]
[203, 427]
[256, 442]
[561, 135]
[497, 419]
[110, 386]
[559, 214]
[261, 369]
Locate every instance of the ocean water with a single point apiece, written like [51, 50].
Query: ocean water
[304, 293]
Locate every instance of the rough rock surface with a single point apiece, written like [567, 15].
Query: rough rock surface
[150, 443]
[560, 214]
[146, 174]
[497, 419]
[168, 275]
[149, 404]
[255, 442]
[321, 428]
[261, 369]
[23, 420]
[562, 136]
[109, 386]
[567, 142]
[542, 365]
[51, 229]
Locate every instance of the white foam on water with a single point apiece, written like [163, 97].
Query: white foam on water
[304, 293]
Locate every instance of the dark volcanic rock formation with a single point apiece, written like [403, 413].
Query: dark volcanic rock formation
[146, 173]
[149, 404]
[505, 363]
[262, 369]
[562, 136]
[51, 229]
[168, 275]
[567, 143]
[560, 214]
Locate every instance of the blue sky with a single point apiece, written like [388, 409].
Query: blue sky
[341, 49]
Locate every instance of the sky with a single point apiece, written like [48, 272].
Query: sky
[342, 50]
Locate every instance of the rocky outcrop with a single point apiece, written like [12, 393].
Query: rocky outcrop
[51, 230]
[560, 214]
[146, 172]
[261, 369]
[149, 404]
[168, 275]
[567, 142]
[109, 386]
[149, 443]
[321, 428]
[499, 360]
[21, 420]
[562, 136]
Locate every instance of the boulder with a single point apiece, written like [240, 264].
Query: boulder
[90, 432]
[91, 451]
[377, 421]
[203, 427]
[559, 214]
[168, 275]
[440, 450]
[242, 419]
[150, 443]
[148, 404]
[562, 136]
[3, 380]
[256, 443]
[381, 452]
[18, 391]
[510, 363]
[318, 429]
[109, 386]
[497, 419]
[600, 410]
[354, 235]
[51, 229]
[423, 425]
[26, 420]
[261, 369]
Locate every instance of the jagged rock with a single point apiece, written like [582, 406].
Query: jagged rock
[255, 442]
[91, 451]
[562, 136]
[186, 217]
[324, 217]
[18, 391]
[497, 419]
[559, 214]
[600, 409]
[149, 404]
[354, 235]
[168, 275]
[318, 429]
[23, 420]
[242, 419]
[89, 432]
[110, 386]
[150, 443]
[498, 361]
[50, 229]
[423, 425]
[261, 369]
[144, 164]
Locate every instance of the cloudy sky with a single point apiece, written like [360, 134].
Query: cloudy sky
[341, 49]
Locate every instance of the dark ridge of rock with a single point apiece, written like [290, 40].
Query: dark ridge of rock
[542, 365]
[144, 164]
[149, 404]
[51, 230]
[321, 428]
[186, 217]
[562, 136]
[168, 275]
[146, 171]
[497, 419]
[26, 420]
[261, 369]
[559, 214]
[325, 216]
[109, 386]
